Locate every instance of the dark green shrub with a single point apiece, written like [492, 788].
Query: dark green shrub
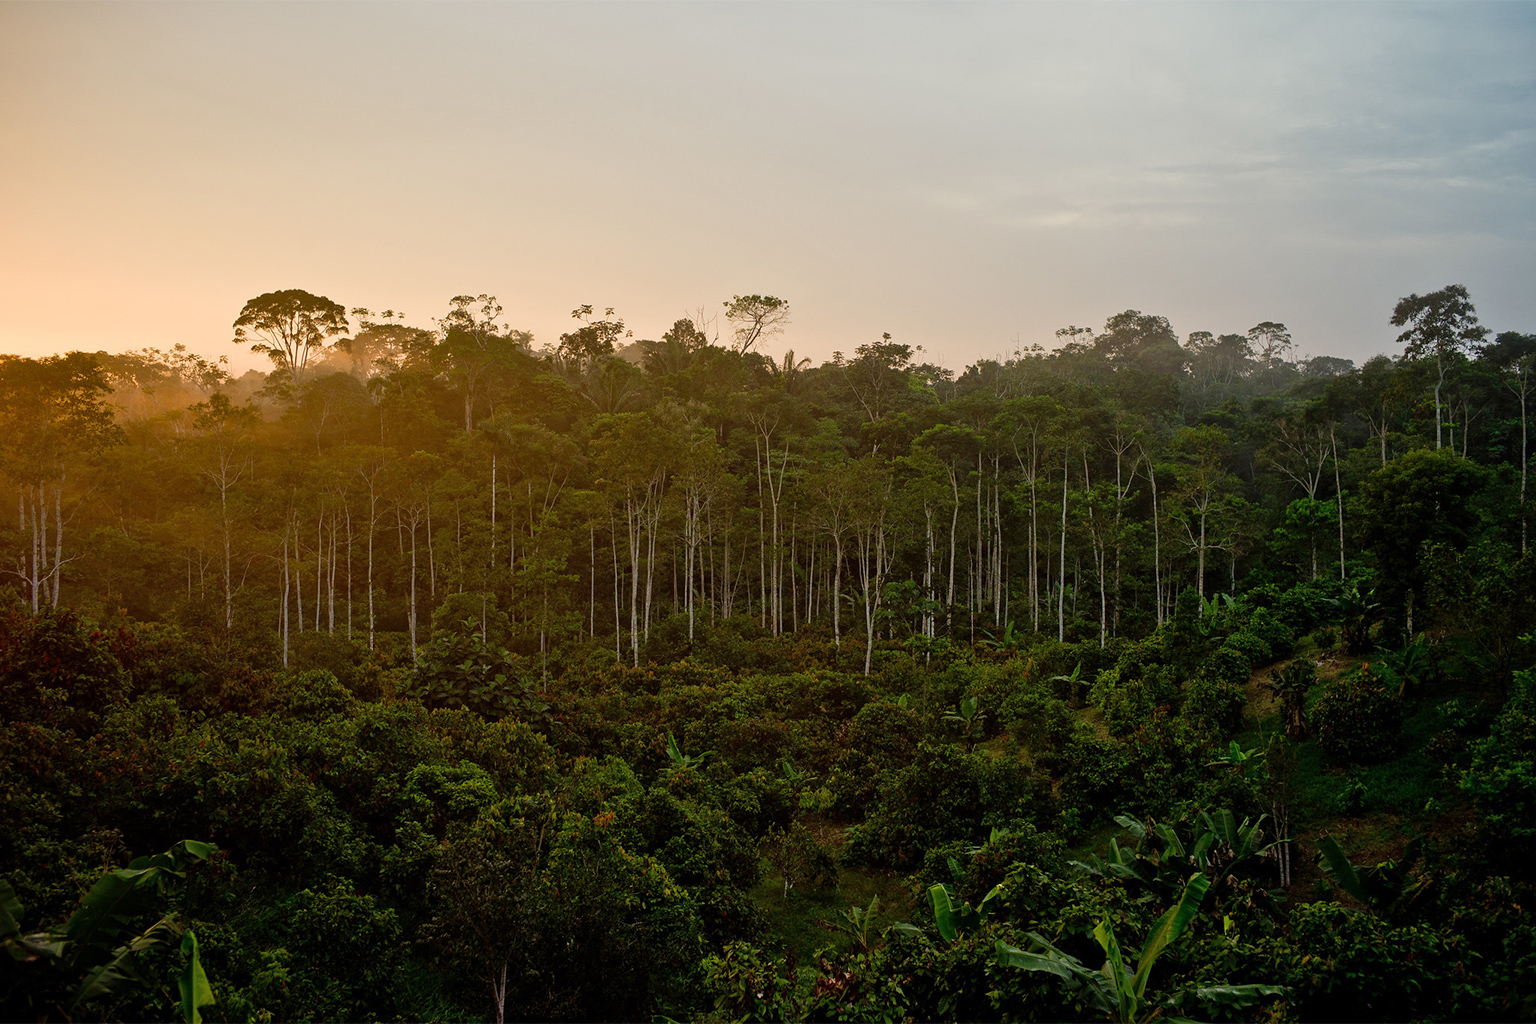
[1038, 720]
[457, 671]
[882, 737]
[1502, 780]
[1213, 709]
[1357, 718]
[1279, 637]
[944, 795]
[335, 952]
[1346, 965]
[1229, 665]
[55, 670]
[1307, 605]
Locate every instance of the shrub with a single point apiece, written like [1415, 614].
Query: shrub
[1229, 665]
[1502, 779]
[1307, 605]
[1279, 637]
[1357, 718]
[943, 795]
[1213, 709]
[1344, 965]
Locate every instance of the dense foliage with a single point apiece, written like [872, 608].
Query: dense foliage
[437, 677]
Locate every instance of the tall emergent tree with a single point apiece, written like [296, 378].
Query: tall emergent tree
[1441, 326]
[288, 326]
[756, 317]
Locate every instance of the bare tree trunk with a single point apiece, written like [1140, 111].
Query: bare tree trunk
[1061, 596]
[283, 613]
[58, 539]
[431, 556]
[617, 628]
[1338, 495]
[298, 574]
[413, 585]
[837, 592]
[348, 508]
[319, 564]
[499, 994]
[954, 528]
[1157, 541]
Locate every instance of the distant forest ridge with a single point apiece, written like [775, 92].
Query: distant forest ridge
[386, 480]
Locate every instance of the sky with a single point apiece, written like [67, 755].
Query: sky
[965, 177]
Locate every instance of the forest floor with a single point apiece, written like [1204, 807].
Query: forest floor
[1372, 811]
[804, 919]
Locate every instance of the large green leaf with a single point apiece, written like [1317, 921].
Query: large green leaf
[19, 946]
[196, 993]
[1122, 987]
[119, 974]
[1168, 928]
[1224, 824]
[1170, 839]
[106, 909]
[1342, 870]
[944, 916]
[10, 912]
[1015, 957]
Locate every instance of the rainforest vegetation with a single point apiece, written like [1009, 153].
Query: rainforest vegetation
[440, 674]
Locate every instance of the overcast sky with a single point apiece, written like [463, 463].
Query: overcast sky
[959, 176]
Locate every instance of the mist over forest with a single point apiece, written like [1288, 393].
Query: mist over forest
[447, 673]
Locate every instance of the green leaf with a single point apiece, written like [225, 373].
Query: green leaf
[1342, 870]
[10, 912]
[1131, 825]
[1170, 839]
[944, 916]
[119, 974]
[984, 909]
[196, 993]
[1240, 995]
[1224, 824]
[1122, 985]
[1168, 928]
[1014, 957]
[107, 907]
[195, 849]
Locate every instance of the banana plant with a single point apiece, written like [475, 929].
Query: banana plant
[1072, 681]
[1236, 757]
[1291, 684]
[1010, 639]
[1384, 887]
[969, 716]
[1213, 612]
[1359, 611]
[681, 761]
[952, 921]
[97, 950]
[1118, 990]
[1408, 667]
[1161, 859]
[858, 924]
[1238, 842]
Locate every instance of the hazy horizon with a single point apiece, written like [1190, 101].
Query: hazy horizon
[958, 176]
